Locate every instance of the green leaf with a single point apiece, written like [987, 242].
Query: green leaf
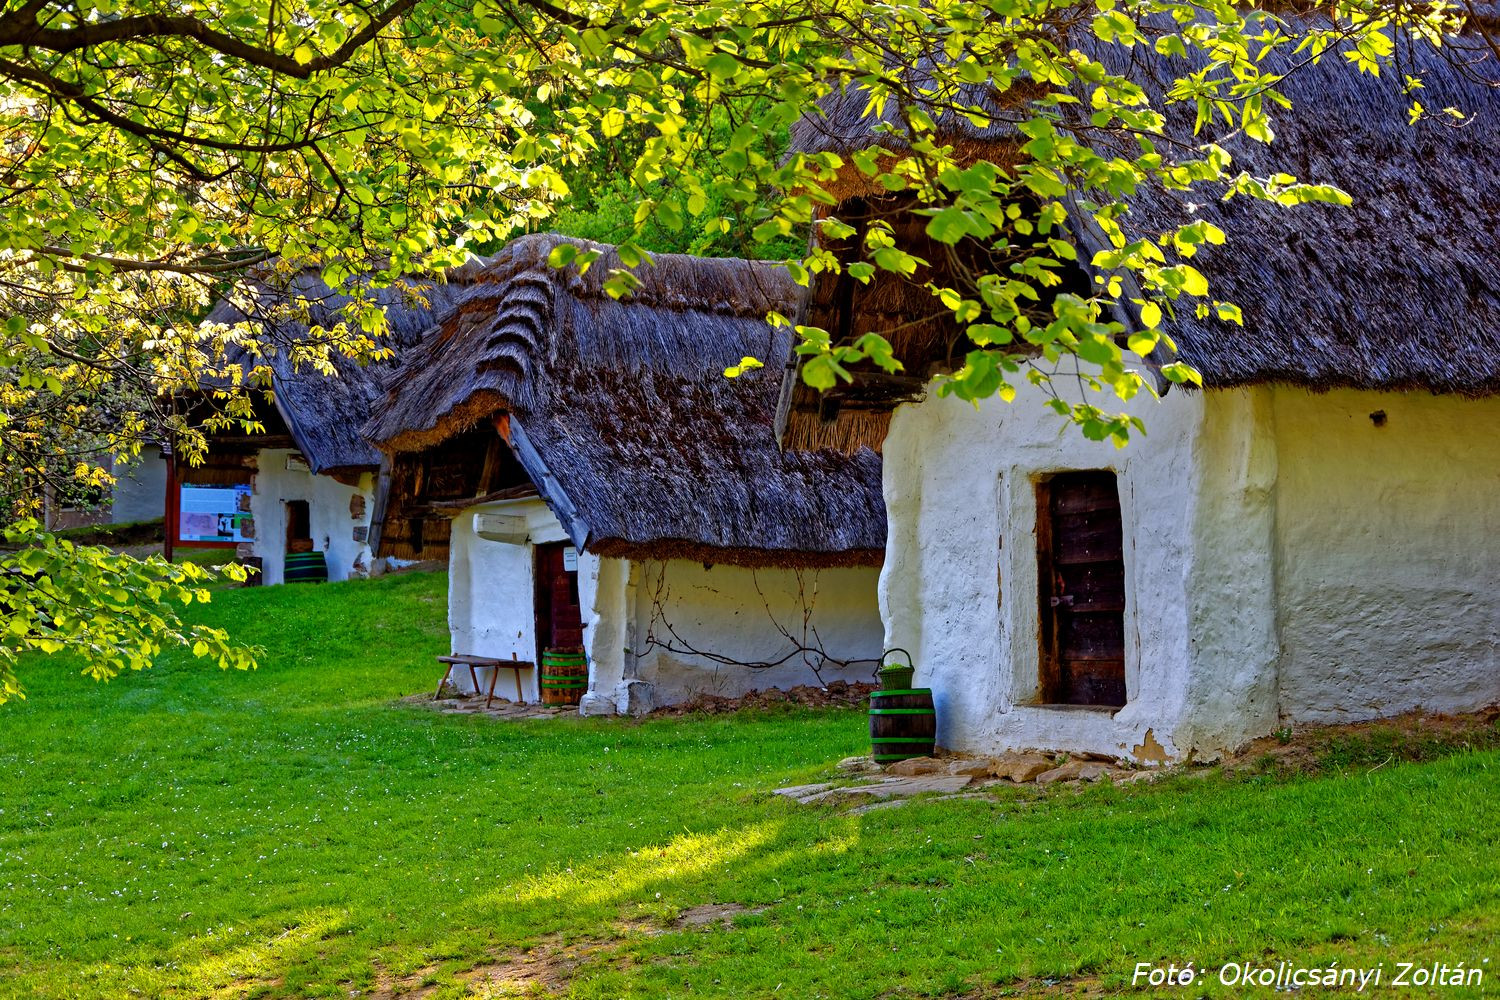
[820, 372]
[949, 225]
[747, 364]
[722, 66]
[1180, 372]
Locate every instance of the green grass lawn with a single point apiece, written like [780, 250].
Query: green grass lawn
[294, 832]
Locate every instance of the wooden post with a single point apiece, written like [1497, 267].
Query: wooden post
[171, 511]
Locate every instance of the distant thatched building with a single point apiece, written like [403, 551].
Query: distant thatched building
[306, 484]
[606, 482]
[1313, 537]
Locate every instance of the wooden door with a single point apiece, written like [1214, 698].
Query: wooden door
[298, 526]
[559, 620]
[1082, 575]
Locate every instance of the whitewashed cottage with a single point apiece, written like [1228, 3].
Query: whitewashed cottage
[596, 481]
[1312, 537]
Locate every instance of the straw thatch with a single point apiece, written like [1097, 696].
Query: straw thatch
[1396, 292]
[621, 414]
[978, 122]
[323, 413]
[975, 119]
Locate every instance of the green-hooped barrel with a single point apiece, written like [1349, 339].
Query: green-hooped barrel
[305, 567]
[903, 724]
[565, 676]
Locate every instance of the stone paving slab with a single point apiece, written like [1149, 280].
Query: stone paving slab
[501, 709]
[890, 788]
[798, 791]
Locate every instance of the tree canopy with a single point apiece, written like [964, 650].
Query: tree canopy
[157, 155]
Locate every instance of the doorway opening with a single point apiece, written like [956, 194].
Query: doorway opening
[1081, 572]
[298, 527]
[559, 619]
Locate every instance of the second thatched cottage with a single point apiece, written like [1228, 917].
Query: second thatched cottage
[596, 481]
[302, 487]
[1312, 538]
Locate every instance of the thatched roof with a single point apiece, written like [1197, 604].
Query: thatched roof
[323, 413]
[977, 120]
[621, 414]
[1400, 290]
[1397, 292]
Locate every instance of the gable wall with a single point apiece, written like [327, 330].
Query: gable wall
[959, 589]
[332, 524]
[1388, 553]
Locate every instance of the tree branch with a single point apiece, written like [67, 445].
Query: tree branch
[22, 29]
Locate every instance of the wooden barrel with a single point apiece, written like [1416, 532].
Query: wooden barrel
[305, 567]
[903, 724]
[565, 676]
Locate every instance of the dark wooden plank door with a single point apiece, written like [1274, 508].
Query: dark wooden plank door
[1080, 555]
[559, 619]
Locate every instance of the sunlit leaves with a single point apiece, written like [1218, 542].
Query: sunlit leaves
[747, 364]
[112, 611]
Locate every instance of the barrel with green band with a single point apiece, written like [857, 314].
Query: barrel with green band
[903, 724]
[306, 567]
[565, 676]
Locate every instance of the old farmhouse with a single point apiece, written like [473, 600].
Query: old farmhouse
[1311, 537]
[303, 488]
[596, 482]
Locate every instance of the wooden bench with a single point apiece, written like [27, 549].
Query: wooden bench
[489, 663]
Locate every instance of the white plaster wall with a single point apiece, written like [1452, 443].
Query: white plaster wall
[713, 609]
[959, 586]
[1286, 560]
[605, 597]
[331, 524]
[738, 613]
[140, 491]
[491, 596]
[1388, 543]
[1226, 693]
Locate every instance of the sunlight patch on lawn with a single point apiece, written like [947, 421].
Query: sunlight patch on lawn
[686, 855]
[263, 960]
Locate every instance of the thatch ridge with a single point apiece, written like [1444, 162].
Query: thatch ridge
[976, 119]
[651, 448]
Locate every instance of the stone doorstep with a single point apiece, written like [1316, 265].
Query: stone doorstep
[891, 788]
[1020, 767]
